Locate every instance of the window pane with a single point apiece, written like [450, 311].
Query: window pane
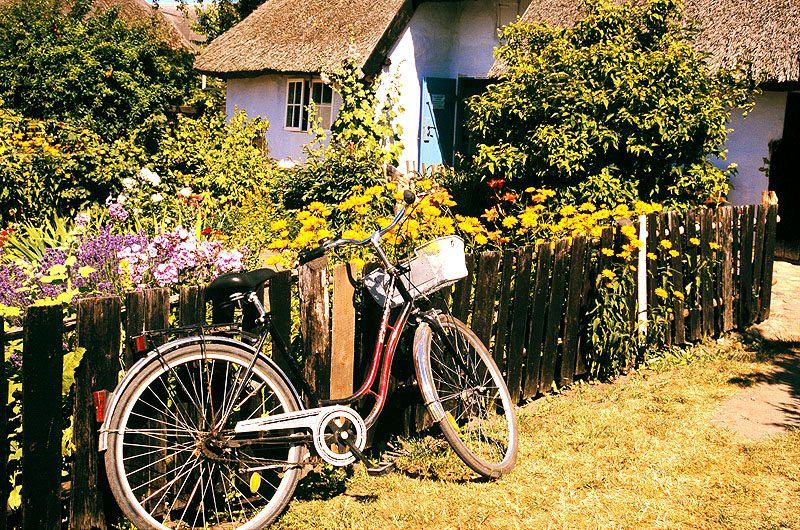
[317, 93]
[325, 114]
[327, 94]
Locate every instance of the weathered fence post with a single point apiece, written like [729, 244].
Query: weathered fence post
[41, 418]
[519, 322]
[343, 334]
[502, 313]
[485, 291]
[572, 317]
[769, 259]
[314, 322]
[98, 331]
[541, 288]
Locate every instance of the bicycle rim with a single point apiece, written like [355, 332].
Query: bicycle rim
[467, 396]
[171, 466]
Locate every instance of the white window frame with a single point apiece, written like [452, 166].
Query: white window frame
[296, 109]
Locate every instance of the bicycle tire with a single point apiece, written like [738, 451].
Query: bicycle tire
[467, 396]
[161, 461]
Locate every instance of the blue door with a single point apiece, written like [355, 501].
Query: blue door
[437, 121]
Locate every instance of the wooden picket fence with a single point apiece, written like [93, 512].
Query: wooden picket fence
[528, 305]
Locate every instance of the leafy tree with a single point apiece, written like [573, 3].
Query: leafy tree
[619, 106]
[220, 15]
[97, 70]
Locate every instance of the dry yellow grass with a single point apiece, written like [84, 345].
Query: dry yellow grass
[640, 453]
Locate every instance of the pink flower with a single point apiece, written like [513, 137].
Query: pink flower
[116, 211]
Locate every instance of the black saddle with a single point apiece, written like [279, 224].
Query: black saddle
[234, 285]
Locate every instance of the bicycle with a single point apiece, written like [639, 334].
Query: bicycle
[207, 431]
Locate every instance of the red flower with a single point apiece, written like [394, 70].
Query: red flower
[497, 183]
[509, 196]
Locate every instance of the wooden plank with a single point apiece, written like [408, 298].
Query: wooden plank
[725, 221]
[3, 431]
[343, 335]
[134, 324]
[572, 316]
[694, 324]
[736, 244]
[707, 281]
[552, 329]
[590, 273]
[769, 260]
[674, 220]
[191, 306]
[541, 291]
[746, 275]
[485, 294]
[519, 322]
[315, 326]
[98, 331]
[279, 305]
[41, 418]
[758, 259]
[503, 309]
[462, 292]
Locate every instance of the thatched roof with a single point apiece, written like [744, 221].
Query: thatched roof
[765, 33]
[143, 11]
[292, 36]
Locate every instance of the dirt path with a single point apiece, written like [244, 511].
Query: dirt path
[771, 403]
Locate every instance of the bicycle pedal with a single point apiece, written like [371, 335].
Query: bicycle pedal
[381, 469]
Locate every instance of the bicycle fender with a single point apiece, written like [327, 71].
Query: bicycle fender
[114, 396]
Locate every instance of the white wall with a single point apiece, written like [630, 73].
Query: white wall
[443, 39]
[265, 96]
[748, 146]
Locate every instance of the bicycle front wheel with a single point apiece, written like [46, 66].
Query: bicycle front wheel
[465, 393]
[172, 465]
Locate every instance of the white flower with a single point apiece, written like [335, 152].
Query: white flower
[287, 164]
[129, 183]
[149, 176]
[156, 197]
[325, 78]
[351, 51]
[122, 198]
[185, 192]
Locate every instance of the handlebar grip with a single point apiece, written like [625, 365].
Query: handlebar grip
[311, 255]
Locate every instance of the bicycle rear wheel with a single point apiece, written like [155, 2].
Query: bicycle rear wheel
[466, 395]
[171, 466]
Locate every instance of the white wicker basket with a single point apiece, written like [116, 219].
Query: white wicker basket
[437, 264]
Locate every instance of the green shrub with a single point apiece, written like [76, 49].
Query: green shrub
[619, 106]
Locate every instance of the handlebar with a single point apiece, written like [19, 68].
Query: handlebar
[409, 197]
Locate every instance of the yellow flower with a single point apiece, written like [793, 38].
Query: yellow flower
[651, 256]
[628, 231]
[607, 252]
[315, 206]
[674, 253]
[607, 273]
[713, 246]
[358, 262]
[632, 267]
[481, 239]
[665, 243]
[278, 244]
[609, 285]
[694, 241]
[678, 295]
[661, 293]
[568, 210]
[391, 186]
[510, 221]
[279, 224]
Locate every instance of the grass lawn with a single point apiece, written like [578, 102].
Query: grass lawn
[639, 453]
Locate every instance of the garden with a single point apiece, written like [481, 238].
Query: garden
[103, 191]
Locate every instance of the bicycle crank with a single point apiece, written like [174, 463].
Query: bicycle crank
[334, 430]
